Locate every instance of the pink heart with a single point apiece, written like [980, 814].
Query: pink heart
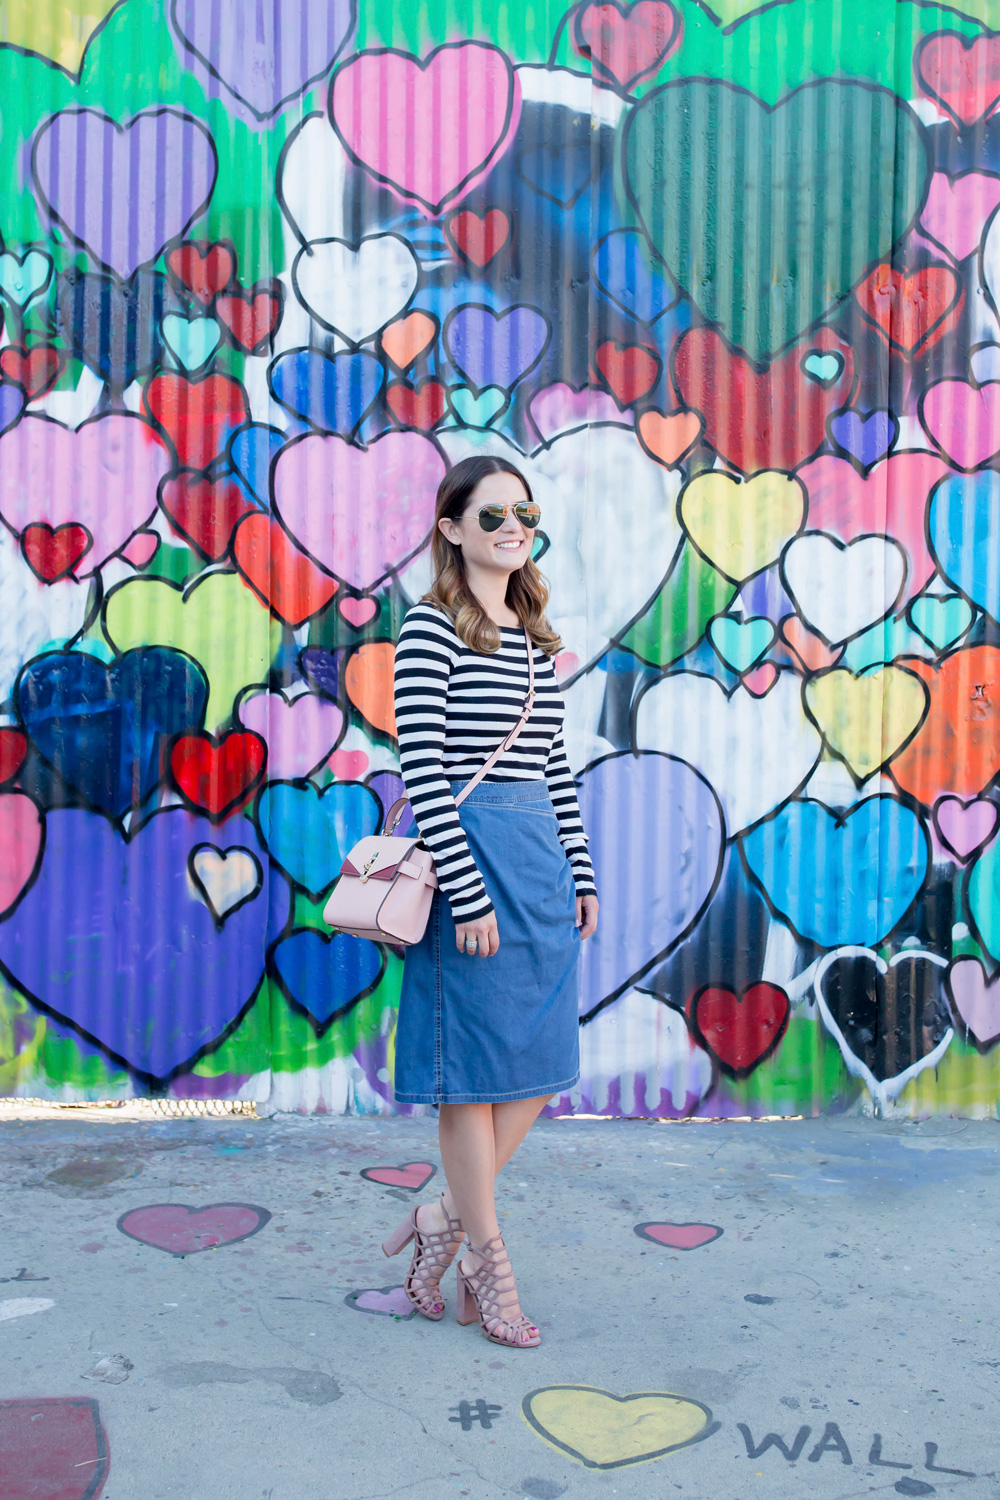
[453, 114]
[181, 1230]
[385, 1301]
[104, 476]
[560, 408]
[299, 731]
[566, 663]
[679, 1236]
[761, 679]
[358, 612]
[411, 1175]
[20, 845]
[964, 827]
[976, 1000]
[361, 512]
[891, 500]
[963, 420]
[141, 549]
[955, 211]
[348, 765]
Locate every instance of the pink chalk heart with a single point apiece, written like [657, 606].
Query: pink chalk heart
[761, 679]
[142, 548]
[964, 827]
[383, 1301]
[359, 512]
[103, 475]
[181, 1230]
[963, 420]
[976, 1002]
[348, 765]
[20, 846]
[679, 1236]
[358, 612]
[299, 731]
[956, 209]
[451, 116]
[891, 500]
[411, 1175]
[559, 408]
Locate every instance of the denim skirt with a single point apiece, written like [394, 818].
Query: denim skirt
[477, 1030]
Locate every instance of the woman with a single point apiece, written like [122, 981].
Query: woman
[488, 1012]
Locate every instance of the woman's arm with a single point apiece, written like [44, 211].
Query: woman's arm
[571, 834]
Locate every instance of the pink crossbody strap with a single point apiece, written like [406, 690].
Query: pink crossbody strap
[395, 812]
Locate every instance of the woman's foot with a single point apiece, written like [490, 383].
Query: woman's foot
[436, 1238]
[486, 1287]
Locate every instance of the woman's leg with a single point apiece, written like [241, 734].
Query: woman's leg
[511, 1123]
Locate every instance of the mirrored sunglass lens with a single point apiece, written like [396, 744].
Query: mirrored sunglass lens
[528, 515]
[492, 517]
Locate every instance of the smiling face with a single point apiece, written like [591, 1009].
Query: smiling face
[502, 551]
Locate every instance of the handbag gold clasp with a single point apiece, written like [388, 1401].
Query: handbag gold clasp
[367, 867]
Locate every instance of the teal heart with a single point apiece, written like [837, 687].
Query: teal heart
[477, 411]
[983, 897]
[886, 640]
[825, 368]
[746, 204]
[192, 341]
[941, 620]
[21, 279]
[740, 643]
[309, 833]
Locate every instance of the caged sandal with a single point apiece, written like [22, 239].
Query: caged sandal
[432, 1255]
[487, 1291]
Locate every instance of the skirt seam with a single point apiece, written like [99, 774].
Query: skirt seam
[535, 1092]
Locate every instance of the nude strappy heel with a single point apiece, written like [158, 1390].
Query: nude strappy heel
[484, 1294]
[432, 1255]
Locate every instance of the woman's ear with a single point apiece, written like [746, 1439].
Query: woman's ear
[449, 530]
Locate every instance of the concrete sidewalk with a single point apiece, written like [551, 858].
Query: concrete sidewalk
[840, 1293]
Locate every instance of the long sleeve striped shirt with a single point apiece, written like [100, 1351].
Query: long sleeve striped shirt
[453, 707]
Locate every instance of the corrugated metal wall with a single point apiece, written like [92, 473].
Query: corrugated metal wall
[724, 280]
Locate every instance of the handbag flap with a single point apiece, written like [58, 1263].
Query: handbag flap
[377, 855]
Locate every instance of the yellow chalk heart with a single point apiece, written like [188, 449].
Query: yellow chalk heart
[867, 720]
[741, 528]
[604, 1431]
[59, 30]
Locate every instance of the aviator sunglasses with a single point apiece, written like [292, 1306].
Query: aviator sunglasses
[492, 517]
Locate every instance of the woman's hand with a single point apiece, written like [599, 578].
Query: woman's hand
[586, 915]
[483, 933]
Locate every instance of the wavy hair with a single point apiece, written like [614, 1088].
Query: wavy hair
[527, 590]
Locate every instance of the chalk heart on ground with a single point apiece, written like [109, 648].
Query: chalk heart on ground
[356, 289]
[742, 527]
[840, 590]
[976, 1001]
[181, 1230]
[383, 1301]
[605, 1431]
[866, 720]
[679, 1236]
[104, 476]
[412, 1175]
[300, 732]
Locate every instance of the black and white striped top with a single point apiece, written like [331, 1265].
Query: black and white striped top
[453, 707]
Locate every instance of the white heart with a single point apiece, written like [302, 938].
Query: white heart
[756, 752]
[226, 878]
[984, 363]
[841, 590]
[312, 175]
[355, 290]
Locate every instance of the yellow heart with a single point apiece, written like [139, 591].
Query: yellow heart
[604, 1431]
[741, 527]
[60, 30]
[867, 720]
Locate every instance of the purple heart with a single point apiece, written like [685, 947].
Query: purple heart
[866, 439]
[964, 827]
[12, 402]
[383, 1301]
[265, 52]
[651, 895]
[495, 348]
[164, 166]
[115, 939]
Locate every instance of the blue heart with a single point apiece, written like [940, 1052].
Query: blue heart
[20, 280]
[251, 450]
[622, 270]
[823, 368]
[12, 404]
[865, 438]
[840, 878]
[883, 642]
[309, 833]
[325, 976]
[334, 393]
[323, 669]
[740, 643]
[192, 341]
[102, 728]
[962, 522]
[477, 411]
[942, 621]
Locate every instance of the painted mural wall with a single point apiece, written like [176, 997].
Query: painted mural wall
[724, 280]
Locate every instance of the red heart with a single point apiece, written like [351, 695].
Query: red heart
[411, 1175]
[204, 511]
[628, 45]
[739, 1031]
[53, 1447]
[197, 416]
[478, 236]
[52, 552]
[961, 72]
[279, 572]
[679, 1236]
[908, 306]
[760, 417]
[13, 749]
[34, 370]
[182, 1230]
[216, 775]
[203, 267]
[251, 317]
[629, 370]
[421, 406]
[957, 748]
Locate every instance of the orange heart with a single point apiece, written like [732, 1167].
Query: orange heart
[814, 654]
[957, 749]
[404, 341]
[368, 680]
[667, 436]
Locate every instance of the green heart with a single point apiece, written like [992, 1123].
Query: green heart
[477, 411]
[941, 620]
[747, 204]
[730, 13]
[218, 621]
[677, 618]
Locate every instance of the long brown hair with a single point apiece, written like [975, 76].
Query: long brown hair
[527, 592]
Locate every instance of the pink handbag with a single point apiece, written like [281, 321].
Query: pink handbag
[387, 884]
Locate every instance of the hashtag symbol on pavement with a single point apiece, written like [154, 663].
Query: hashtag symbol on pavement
[471, 1412]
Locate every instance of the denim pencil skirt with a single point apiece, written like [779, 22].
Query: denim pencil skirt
[477, 1030]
